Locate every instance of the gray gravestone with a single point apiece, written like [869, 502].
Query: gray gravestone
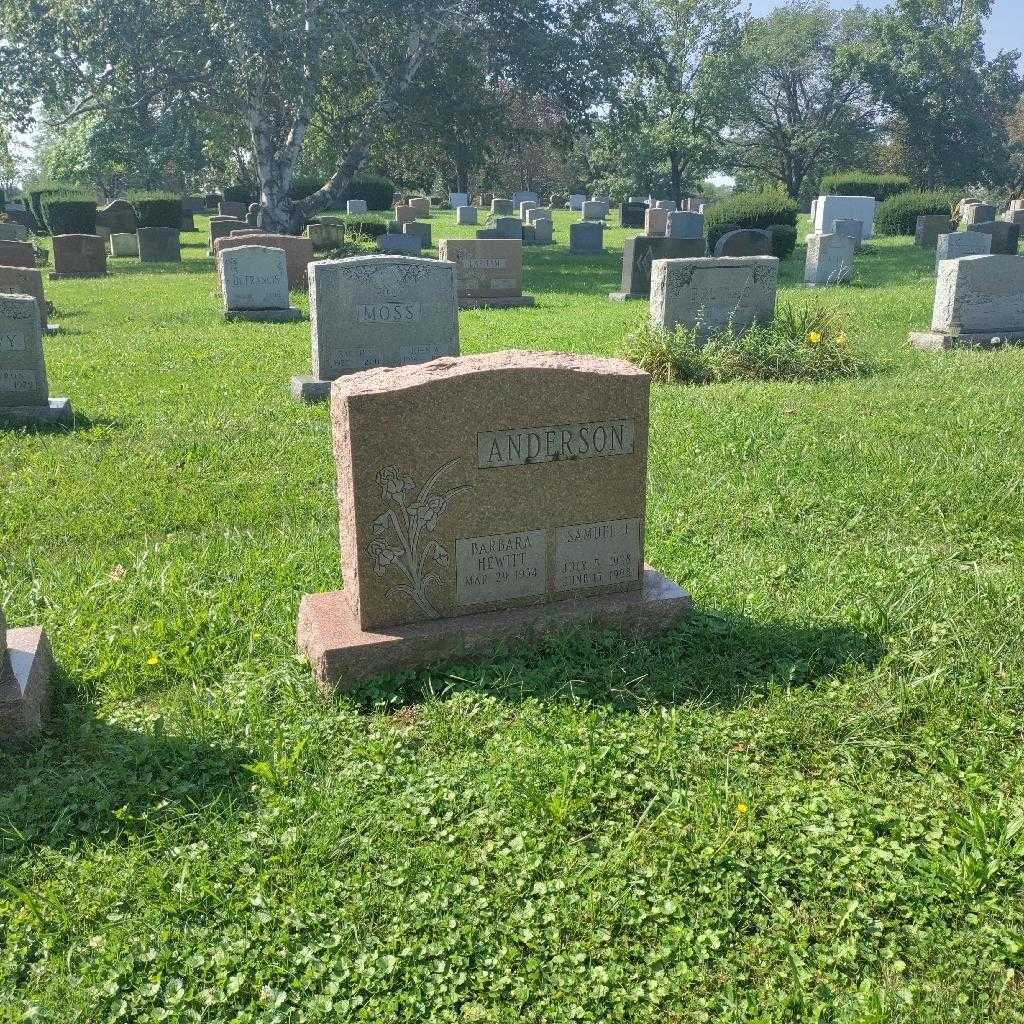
[1005, 237]
[12, 231]
[745, 242]
[159, 245]
[24, 391]
[683, 224]
[508, 227]
[638, 256]
[254, 282]
[829, 259]
[632, 213]
[378, 311]
[502, 208]
[594, 210]
[928, 228]
[979, 213]
[124, 244]
[709, 295]
[393, 244]
[466, 215]
[418, 227]
[958, 244]
[543, 231]
[586, 237]
[851, 227]
[356, 206]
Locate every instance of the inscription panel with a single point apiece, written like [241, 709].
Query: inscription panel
[597, 554]
[530, 445]
[12, 341]
[395, 313]
[17, 382]
[491, 570]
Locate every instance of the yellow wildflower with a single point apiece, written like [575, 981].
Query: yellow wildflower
[153, 660]
[814, 338]
[742, 808]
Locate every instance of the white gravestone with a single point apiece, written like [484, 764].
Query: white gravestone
[369, 311]
[356, 206]
[254, 282]
[829, 259]
[829, 209]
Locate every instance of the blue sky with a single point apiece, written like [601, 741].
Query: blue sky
[1005, 27]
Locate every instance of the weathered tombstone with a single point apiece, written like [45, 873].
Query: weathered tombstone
[829, 209]
[543, 231]
[17, 254]
[193, 204]
[929, 227]
[230, 209]
[631, 214]
[488, 273]
[829, 259]
[592, 210]
[655, 221]
[535, 213]
[745, 242]
[487, 233]
[711, 294]
[221, 227]
[326, 234]
[417, 227]
[978, 213]
[518, 198]
[509, 227]
[979, 303]
[357, 206]
[394, 244]
[12, 231]
[78, 256]
[684, 224]
[1005, 237]
[457, 199]
[187, 222]
[513, 500]
[404, 213]
[420, 205]
[851, 227]
[466, 215]
[26, 670]
[529, 235]
[298, 253]
[28, 281]
[378, 311]
[575, 202]
[586, 237]
[1017, 205]
[958, 244]
[252, 215]
[254, 283]
[159, 245]
[117, 217]
[1014, 217]
[638, 256]
[502, 208]
[524, 208]
[24, 392]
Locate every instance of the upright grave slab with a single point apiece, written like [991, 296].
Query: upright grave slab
[118, 217]
[664, 204]
[958, 244]
[159, 245]
[512, 501]
[466, 215]
[638, 256]
[543, 231]
[1005, 237]
[1014, 217]
[593, 210]
[631, 214]
[586, 237]
[16, 254]
[124, 244]
[711, 294]
[298, 253]
[370, 311]
[221, 227]
[978, 213]
[356, 206]
[655, 221]
[488, 273]
[458, 199]
[78, 256]
[420, 205]
[24, 391]
[254, 284]
[421, 230]
[979, 303]
[684, 224]
[230, 209]
[26, 671]
[28, 281]
[928, 228]
[395, 244]
[502, 208]
[829, 209]
[829, 259]
[12, 231]
[744, 242]
[850, 227]
[518, 198]
[509, 227]
[575, 202]
[536, 213]
[404, 213]
[524, 208]
[326, 234]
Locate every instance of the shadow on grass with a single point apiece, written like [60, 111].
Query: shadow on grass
[83, 780]
[80, 422]
[707, 659]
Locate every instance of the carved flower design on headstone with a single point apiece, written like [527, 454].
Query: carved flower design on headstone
[400, 544]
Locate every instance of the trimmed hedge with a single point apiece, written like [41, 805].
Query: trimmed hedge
[366, 225]
[378, 192]
[238, 194]
[783, 240]
[34, 199]
[156, 209]
[69, 213]
[898, 215]
[861, 183]
[749, 210]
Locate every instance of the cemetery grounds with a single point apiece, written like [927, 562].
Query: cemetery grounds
[803, 804]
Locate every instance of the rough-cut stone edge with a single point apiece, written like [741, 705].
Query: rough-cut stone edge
[509, 302]
[939, 341]
[311, 389]
[341, 652]
[392, 378]
[270, 315]
[25, 701]
[57, 413]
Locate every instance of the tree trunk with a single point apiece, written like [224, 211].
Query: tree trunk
[677, 177]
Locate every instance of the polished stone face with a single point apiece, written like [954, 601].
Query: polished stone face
[516, 478]
[980, 294]
[22, 367]
[485, 268]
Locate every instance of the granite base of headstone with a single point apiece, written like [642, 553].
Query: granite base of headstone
[26, 674]
[979, 303]
[511, 502]
[370, 311]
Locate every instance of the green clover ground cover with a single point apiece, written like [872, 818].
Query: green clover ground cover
[803, 805]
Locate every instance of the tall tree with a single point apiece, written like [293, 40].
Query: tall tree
[947, 103]
[798, 108]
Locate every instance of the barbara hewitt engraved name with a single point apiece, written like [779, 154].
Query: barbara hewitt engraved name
[528, 445]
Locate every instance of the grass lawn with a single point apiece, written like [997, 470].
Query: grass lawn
[802, 805]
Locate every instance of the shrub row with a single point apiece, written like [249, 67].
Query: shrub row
[898, 214]
[156, 209]
[67, 212]
[862, 183]
[751, 210]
